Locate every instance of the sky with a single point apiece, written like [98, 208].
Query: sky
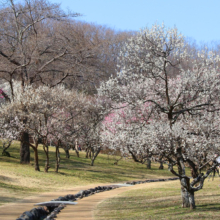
[197, 20]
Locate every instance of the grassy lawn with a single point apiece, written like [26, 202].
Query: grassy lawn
[18, 181]
[161, 201]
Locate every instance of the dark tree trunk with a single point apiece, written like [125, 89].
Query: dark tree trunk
[4, 152]
[36, 161]
[57, 159]
[87, 153]
[24, 148]
[67, 153]
[34, 147]
[161, 166]
[148, 163]
[46, 150]
[94, 155]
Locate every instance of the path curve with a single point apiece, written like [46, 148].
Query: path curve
[84, 210]
[11, 211]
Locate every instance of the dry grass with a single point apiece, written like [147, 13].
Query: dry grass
[18, 181]
[161, 201]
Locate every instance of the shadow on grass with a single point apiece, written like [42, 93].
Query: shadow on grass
[6, 178]
[11, 159]
[11, 187]
[209, 207]
[4, 199]
[208, 196]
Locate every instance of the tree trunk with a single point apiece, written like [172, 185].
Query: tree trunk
[184, 181]
[77, 147]
[25, 148]
[77, 152]
[192, 200]
[67, 153]
[57, 159]
[90, 153]
[161, 166]
[46, 150]
[4, 152]
[36, 161]
[185, 198]
[87, 152]
[148, 163]
[94, 155]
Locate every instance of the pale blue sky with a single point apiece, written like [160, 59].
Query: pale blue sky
[196, 19]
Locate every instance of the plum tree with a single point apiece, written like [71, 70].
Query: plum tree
[158, 71]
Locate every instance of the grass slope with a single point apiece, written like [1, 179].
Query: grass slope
[18, 181]
[161, 201]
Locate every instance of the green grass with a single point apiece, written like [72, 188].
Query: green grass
[161, 201]
[18, 181]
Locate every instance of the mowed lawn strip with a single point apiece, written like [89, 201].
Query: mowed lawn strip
[18, 181]
[161, 201]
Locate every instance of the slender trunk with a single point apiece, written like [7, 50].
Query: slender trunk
[148, 163]
[34, 147]
[77, 147]
[46, 150]
[94, 155]
[77, 152]
[92, 162]
[57, 159]
[161, 166]
[4, 152]
[24, 148]
[87, 152]
[36, 161]
[67, 153]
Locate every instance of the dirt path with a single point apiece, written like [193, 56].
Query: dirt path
[82, 211]
[85, 208]
[11, 211]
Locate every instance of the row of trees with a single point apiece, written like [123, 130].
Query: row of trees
[157, 98]
[52, 116]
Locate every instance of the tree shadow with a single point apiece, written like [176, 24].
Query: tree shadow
[6, 178]
[5, 199]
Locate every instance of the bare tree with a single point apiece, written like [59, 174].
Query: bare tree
[28, 47]
[41, 44]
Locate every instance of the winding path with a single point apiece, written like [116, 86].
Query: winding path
[84, 210]
[11, 211]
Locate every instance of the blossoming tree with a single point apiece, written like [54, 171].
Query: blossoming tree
[51, 114]
[182, 90]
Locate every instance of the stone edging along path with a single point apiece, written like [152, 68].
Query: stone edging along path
[50, 211]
